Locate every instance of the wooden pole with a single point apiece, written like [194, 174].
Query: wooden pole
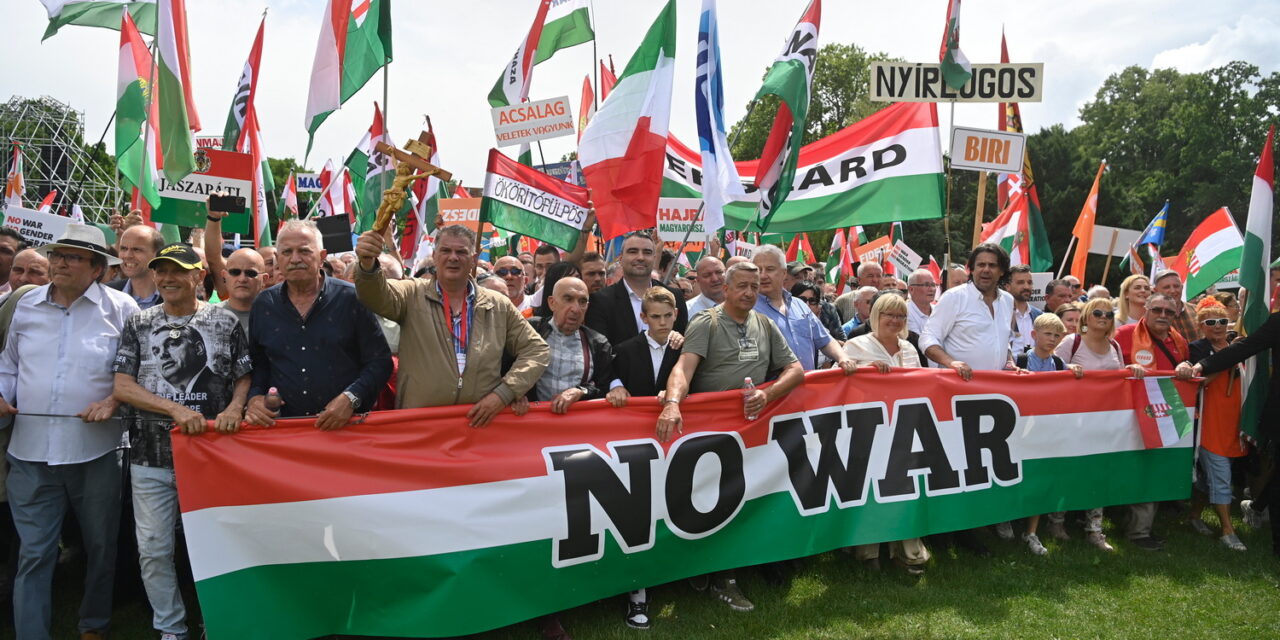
[946, 211]
[982, 204]
[1066, 255]
[1111, 248]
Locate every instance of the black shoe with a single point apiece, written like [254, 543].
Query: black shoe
[700, 583]
[1159, 539]
[638, 615]
[775, 573]
[1147, 544]
[968, 540]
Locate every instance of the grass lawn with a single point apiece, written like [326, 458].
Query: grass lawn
[1193, 589]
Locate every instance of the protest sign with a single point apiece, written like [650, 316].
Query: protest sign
[1102, 240]
[1039, 282]
[922, 82]
[463, 211]
[397, 524]
[308, 182]
[987, 150]
[872, 251]
[335, 233]
[183, 202]
[904, 259]
[36, 228]
[744, 249]
[530, 121]
[675, 216]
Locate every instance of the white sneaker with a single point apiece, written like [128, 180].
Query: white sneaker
[1005, 530]
[1251, 517]
[172, 636]
[1033, 543]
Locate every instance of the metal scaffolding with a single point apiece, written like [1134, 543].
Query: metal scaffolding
[55, 156]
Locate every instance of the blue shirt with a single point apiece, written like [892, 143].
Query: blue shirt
[852, 324]
[1035, 363]
[143, 303]
[802, 330]
[338, 347]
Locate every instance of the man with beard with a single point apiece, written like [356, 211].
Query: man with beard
[710, 275]
[1024, 315]
[615, 311]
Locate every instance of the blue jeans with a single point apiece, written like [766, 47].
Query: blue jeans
[155, 510]
[39, 495]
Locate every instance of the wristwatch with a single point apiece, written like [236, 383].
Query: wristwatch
[355, 399]
[670, 401]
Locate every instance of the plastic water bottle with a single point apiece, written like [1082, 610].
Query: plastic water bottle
[748, 388]
[273, 401]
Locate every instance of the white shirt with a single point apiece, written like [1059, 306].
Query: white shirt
[635, 307]
[1019, 341]
[656, 351]
[965, 327]
[58, 361]
[700, 303]
[916, 318]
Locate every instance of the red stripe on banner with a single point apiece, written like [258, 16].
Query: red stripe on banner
[293, 461]
[500, 164]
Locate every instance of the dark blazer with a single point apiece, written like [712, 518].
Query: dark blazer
[631, 365]
[118, 285]
[610, 312]
[602, 360]
[912, 337]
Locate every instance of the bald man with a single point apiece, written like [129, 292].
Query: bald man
[512, 272]
[28, 267]
[562, 383]
[243, 278]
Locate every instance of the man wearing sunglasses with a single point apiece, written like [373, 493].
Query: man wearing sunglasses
[512, 272]
[243, 277]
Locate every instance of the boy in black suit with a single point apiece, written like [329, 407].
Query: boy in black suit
[643, 362]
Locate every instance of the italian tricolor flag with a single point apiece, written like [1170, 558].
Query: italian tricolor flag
[173, 91]
[98, 13]
[355, 41]
[624, 148]
[1213, 250]
[1014, 231]
[135, 163]
[1162, 416]
[526, 201]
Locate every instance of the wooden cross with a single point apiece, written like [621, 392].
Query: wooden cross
[418, 156]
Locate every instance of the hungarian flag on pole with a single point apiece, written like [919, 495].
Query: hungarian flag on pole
[1041, 255]
[956, 70]
[526, 201]
[14, 185]
[1010, 229]
[1213, 250]
[366, 166]
[800, 249]
[1255, 263]
[789, 78]
[512, 86]
[290, 196]
[355, 41]
[1162, 416]
[46, 205]
[1083, 231]
[624, 148]
[568, 23]
[261, 182]
[135, 162]
[98, 13]
[246, 90]
[422, 218]
[840, 260]
[588, 107]
[173, 91]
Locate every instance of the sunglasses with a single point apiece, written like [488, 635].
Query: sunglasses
[1162, 311]
[1099, 313]
[248, 273]
[1216, 322]
[809, 300]
[509, 272]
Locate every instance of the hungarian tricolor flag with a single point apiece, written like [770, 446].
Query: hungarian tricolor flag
[1254, 272]
[526, 201]
[956, 70]
[366, 167]
[98, 13]
[14, 185]
[624, 148]
[568, 23]
[1083, 231]
[789, 78]
[46, 205]
[246, 91]
[1162, 416]
[173, 91]
[355, 41]
[839, 261]
[290, 197]
[800, 249]
[1040, 256]
[1212, 251]
[243, 133]
[136, 164]
[421, 219]
[1010, 230]
[262, 182]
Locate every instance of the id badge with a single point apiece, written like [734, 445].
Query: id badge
[748, 351]
[462, 362]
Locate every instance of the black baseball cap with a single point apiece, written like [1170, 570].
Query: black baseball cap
[180, 253]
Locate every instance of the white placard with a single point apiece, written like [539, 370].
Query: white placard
[922, 82]
[987, 149]
[530, 121]
[904, 259]
[674, 217]
[1102, 239]
[1039, 281]
[35, 227]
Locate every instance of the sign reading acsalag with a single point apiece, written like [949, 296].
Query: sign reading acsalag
[529, 121]
[921, 82]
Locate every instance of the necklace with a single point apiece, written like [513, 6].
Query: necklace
[175, 329]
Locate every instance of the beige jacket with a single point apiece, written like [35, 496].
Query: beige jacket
[428, 373]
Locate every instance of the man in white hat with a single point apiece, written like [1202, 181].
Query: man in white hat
[55, 375]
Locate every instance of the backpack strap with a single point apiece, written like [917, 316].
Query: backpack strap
[1020, 360]
[1058, 363]
[1075, 345]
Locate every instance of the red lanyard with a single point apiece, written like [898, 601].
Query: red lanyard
[461, 336]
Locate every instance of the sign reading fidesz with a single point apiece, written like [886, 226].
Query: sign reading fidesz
[921, 82]
[35, 227]
[530, 121]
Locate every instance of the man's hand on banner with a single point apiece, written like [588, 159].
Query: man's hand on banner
[520, 406]
[335, 414]
[191, 422]
[669, 421]
[966, 373]
[258, 413]
[484, 411]
[617, 397]
[1076, 369]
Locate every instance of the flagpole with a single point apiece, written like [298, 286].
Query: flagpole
[978, 211]
[386, 119]
[1063, 266]
[946, 214]
[595, 56]
[146, 132]
[1111, 249]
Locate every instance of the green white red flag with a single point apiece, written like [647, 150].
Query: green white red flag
[1040, 254]
[366, 166]
[839, 261]
[1163, 418]
[173, 91]
[568, 23]
[956, 69]
[98, 13]
[512, 86]
[355, 41]
[14, 184]
[790, 78]
[1212, 251]
[134, 97]
[622, 151]
[800, 249]
[422, 218]
[526, 201]
[246, 91]
[290, 196]
[1255, 263]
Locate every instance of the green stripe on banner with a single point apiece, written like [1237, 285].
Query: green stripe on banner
[457, 592]
[523, 221]
[191, 213]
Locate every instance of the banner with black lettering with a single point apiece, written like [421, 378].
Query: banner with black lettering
[411, 523]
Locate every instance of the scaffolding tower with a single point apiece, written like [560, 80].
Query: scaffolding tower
[56, 157]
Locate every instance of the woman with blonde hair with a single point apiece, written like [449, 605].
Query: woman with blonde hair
[1069, 313]
[1134, 292]
[884, 347]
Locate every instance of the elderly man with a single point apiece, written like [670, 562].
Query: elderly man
[922, 292]
[862, 298]
[1077, 288]
[869, 275]
[1024, 315]
[311, 339]
[57, 362]
[1057, 293]
[10, 244]
[574, 373]
[179, 363]
[615, 311]
[803, 331]
[592, 267]
[269, 259]
[243, 276]
[710, 276]
[449, 320]
[511, 270]
[138, 245]
[725, 346]
[1169, 283]
[1155, 345]
[29, 267]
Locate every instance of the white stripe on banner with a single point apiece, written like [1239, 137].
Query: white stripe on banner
[469, 517]
[1155, 396]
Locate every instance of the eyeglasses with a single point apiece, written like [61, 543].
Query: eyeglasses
[1162, 311]
[894, 316]
[809, 300]
[1099, 313]
[926, 285]
[1216, 322]
[69, 258]
[509, 272]
[248, 273]
[1075, 286]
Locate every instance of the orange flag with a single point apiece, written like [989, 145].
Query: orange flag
[1083, 230]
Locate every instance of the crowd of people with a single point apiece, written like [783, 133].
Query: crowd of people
[108, 347]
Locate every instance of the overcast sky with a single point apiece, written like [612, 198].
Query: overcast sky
[448, 55]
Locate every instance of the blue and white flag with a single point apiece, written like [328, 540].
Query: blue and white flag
[720, 181]
[1152, 237]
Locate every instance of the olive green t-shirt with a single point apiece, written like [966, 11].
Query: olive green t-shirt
[732, 351]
